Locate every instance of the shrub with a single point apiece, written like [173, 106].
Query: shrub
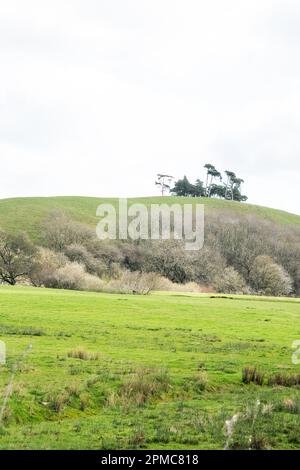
[108, 254]
[135, 283]
[69, 276]
[229, 282]
[74, 276]
[187, 287]
[269, 278]
[91, 283]
[206, 264]
[133, 255]
[170, 259]
[45, 263]
[164, 284]
[79, 254]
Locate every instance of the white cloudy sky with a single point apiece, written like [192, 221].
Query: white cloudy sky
[97, 96]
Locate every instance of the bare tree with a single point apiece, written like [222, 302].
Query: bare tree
[59, 231]
[164, 182]
[16, 257]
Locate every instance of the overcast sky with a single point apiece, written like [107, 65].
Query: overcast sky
[97, 96]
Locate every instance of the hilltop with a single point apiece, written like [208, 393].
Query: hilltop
[27, 213]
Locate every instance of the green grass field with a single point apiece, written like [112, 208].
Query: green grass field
[27, 214]
[158, 372]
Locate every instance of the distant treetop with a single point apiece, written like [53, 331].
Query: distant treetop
[227, 187]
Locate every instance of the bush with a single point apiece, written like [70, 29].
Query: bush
[169, 259]
[229, 282]
[73, 276]
[89, 282]
[134, 255]
[269, 278]
[79, 254]
[53, 270]
[135, 283]
[45, 263]
[167, 285]
[206, 264]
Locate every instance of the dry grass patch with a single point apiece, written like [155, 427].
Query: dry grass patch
[84, 355]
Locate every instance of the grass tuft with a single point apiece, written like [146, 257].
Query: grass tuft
[284, 380]
[57, 402]
[84, 355]
[251, 375]
[143, 385]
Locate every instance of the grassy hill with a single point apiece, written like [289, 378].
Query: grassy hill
[27, 213]
[157, 372]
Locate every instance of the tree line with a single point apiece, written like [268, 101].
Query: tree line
[223, 187]
[242, 254]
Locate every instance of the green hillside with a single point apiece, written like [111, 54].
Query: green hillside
[27, 213]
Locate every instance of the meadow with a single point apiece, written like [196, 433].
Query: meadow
[163, 371]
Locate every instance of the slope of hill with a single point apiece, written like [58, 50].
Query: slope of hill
[27, 213]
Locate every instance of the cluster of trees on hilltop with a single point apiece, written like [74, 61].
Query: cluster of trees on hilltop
[228, 187]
